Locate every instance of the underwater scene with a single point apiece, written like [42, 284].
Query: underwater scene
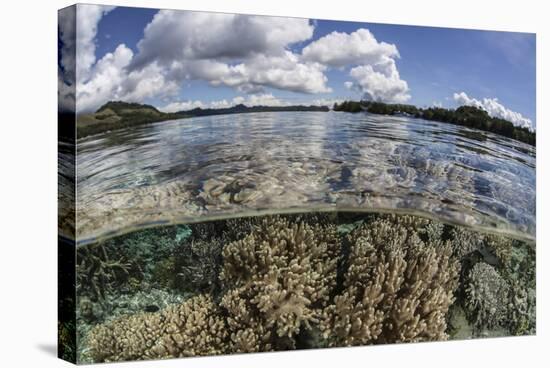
[298, 281]
[237, 183]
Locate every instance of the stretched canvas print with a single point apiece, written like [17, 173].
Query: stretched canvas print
[238, 183]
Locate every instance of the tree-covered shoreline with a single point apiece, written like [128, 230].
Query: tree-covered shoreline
[118, 114]
[468, 116]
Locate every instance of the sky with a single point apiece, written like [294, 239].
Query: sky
[177, 60]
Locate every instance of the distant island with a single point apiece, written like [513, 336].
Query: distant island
[118, 114]
[468, 116]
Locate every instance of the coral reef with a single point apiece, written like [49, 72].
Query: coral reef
[397, 287]
[189, 329]
[279, 279]
[130, 262]
[97, 271]
[465, 241]
[500, 246]
[522, 275]
[487, 296]
[163, 273]
[522, 309]
[459, 327]
[299, 281]
[493, 248]
[116, 306]
[66, 340]
[196, 265]
[502, 294]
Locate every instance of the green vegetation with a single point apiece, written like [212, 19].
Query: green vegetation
[238, 109]
[468, 116]
[117, 115]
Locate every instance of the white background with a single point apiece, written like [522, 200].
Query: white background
[28, 82]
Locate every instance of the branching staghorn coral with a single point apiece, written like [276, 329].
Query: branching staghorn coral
[97, 273]
[189, 329]
[126, 260]
[247, 332]
[279, 278]
[397, 288]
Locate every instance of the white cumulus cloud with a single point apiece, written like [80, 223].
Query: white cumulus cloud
[495, 109]
[329, 102]
[263, 99]
[375, 72]
[176, 35]
[182, 106]
[87, 19]
[109, 78]
[245, 52]
[105, 79]
[380, 82]
[339, 49]
[67, 62]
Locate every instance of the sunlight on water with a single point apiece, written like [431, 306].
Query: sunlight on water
[223, 166]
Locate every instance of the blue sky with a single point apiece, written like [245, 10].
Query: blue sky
[417, 65]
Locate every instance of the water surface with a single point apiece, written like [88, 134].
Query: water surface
[232, 165]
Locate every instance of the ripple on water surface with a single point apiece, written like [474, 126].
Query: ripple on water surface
[231, 165]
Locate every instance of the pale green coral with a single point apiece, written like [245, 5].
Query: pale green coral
[487, 296]
[522, 312]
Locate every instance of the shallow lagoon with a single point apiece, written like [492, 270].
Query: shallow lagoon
[257, 232]
[298, 281]
[220, 166]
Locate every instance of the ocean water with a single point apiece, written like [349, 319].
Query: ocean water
[278, 231]
[221, 166]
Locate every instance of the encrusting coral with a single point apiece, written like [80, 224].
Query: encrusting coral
[279, 279]
[397, 288]
[189, 329]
